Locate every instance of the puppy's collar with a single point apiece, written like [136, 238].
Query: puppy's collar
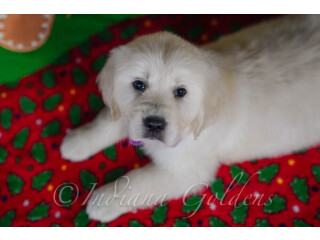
[135, 143]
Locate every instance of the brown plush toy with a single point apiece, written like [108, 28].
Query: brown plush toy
[24, 32]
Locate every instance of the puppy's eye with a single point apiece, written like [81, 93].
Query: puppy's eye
[139, 85]
[180, 92]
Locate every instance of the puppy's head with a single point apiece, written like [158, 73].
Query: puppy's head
[158, 84]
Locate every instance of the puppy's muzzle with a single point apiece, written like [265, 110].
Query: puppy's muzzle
[154, 127]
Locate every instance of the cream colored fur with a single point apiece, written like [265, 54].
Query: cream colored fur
[252, 94]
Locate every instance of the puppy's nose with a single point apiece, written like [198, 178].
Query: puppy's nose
[154, 124]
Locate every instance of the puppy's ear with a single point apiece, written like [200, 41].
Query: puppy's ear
[197, 124]
[105, 81]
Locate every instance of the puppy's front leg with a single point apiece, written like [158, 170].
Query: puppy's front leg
[93, 137]
[142, 188]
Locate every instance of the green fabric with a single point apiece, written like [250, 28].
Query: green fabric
[68, 31]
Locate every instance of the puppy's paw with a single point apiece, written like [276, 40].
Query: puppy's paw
[104, 205]
[75, 147]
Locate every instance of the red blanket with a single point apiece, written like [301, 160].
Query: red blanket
[39, 188]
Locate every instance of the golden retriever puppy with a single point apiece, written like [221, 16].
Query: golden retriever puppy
[252, 94]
